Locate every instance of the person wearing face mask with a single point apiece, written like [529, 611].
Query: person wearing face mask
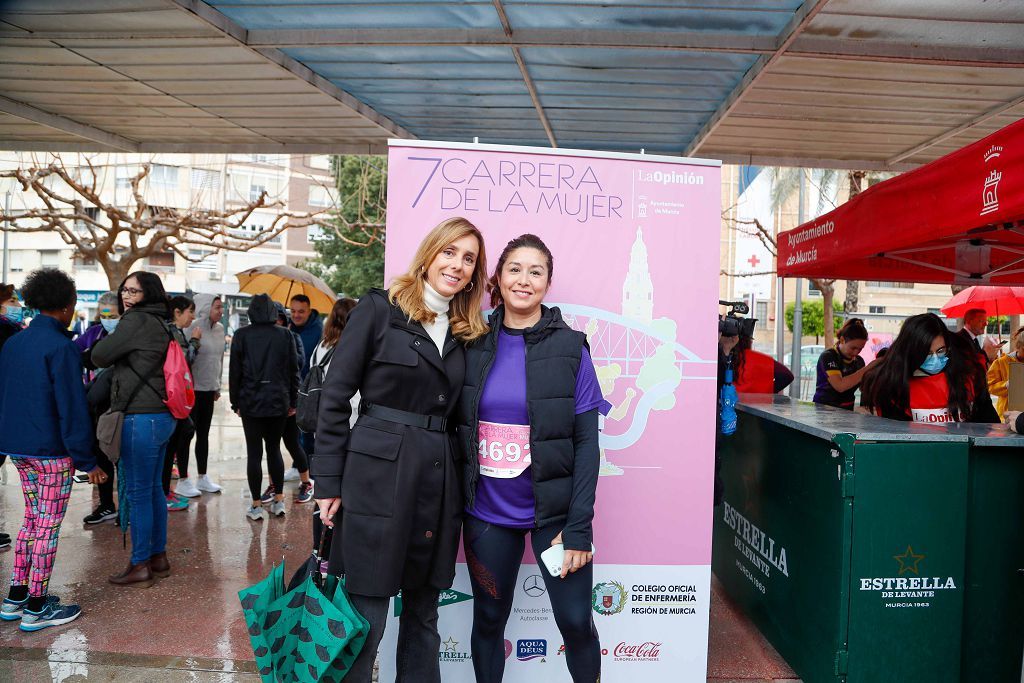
[98, 393]
[12, 316]
[390, 484]
[528, 421]
[841, 369]
[931, 376]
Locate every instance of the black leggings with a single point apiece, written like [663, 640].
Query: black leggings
[494, 554]
[300, 460]
[175, 446]
[260, 431]
[106, 489]
[202, 416]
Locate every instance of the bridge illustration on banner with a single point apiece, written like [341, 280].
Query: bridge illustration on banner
[634, 348]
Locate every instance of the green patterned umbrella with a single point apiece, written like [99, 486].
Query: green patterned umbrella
[310, 633]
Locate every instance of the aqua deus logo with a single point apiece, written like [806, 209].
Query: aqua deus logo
[531, 649]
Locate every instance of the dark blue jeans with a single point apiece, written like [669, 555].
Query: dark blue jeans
[418, 640]
[144, 438]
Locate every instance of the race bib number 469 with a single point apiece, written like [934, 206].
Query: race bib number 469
[503, 451]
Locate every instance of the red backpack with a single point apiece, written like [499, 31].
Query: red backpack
[181, 391]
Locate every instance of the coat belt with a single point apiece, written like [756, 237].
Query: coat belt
[433, 423]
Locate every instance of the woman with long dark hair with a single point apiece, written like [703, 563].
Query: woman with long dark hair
[930, 375]
[528, 418]
[391, 482]
[135, 351]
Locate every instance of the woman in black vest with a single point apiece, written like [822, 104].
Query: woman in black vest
[394, 476]
[528, 422]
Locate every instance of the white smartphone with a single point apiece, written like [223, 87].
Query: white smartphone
[553, 557]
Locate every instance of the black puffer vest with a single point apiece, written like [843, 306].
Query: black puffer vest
[553, 351]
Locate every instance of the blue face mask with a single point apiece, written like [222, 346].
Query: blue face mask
[16, 314]
[108, 324]
[934, 364]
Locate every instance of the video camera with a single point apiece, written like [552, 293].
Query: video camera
[732, 325]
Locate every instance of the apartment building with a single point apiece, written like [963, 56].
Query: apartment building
[302, 184]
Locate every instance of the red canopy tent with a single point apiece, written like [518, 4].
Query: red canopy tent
[959, 219]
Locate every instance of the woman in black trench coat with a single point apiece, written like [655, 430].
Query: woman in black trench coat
[390, 485]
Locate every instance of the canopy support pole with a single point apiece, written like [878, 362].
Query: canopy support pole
[798, 311]
[780, 318]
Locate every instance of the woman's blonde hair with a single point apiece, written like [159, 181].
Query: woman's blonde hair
[464, 316]
[1018, 339]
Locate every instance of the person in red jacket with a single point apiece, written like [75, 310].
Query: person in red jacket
[756, 372]
[930, 375]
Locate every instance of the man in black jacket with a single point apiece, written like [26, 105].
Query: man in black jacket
[975, 321]
[263, 386]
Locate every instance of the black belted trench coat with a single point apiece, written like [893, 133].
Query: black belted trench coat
[400, 485]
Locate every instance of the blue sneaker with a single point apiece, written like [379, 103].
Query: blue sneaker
[52, 614]
[11, 610]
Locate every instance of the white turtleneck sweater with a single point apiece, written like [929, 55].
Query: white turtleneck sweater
[438, 329]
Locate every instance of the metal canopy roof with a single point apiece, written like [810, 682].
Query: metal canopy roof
[845, 83]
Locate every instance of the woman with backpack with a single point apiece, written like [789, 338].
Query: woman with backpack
[183, 314]
[135, 351]
[323, 353]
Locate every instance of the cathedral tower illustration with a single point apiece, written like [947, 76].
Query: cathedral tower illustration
[637, 290]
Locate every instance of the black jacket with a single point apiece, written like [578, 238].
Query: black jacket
[399, 485]
[263, 376]
[137, 348]
[563, 446]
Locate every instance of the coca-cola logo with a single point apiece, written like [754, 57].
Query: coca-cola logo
[648, 650]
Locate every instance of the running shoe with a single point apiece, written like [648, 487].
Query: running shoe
[291, 474]
[207, 485]
[5, 541]
[101, 514]
[305, 493]
[52, 614]
[186, 488]
[268, 495]
[277, 508]
[11, 610]
[176, 503]
[256, 513]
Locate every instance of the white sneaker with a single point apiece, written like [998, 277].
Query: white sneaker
[256, 514]
[186, 488]
[206, 485]
[291, 474]
[277, 508]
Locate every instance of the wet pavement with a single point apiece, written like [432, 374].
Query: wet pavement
[188, 627]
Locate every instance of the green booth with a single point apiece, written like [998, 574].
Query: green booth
[868, 550]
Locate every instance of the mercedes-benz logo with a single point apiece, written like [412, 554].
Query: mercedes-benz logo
[534, 586]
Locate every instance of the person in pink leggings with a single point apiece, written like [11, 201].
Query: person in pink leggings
[46, 432]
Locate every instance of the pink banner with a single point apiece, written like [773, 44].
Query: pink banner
[636, 245]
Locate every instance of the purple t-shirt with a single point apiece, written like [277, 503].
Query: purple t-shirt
[509, 502]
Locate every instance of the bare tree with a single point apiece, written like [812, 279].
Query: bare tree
[118, 237]
[827, 287]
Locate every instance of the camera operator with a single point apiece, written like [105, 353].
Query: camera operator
[730, 328]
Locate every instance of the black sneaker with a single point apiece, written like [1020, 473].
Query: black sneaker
[5, 541]
[268, 495]
[100, 514]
